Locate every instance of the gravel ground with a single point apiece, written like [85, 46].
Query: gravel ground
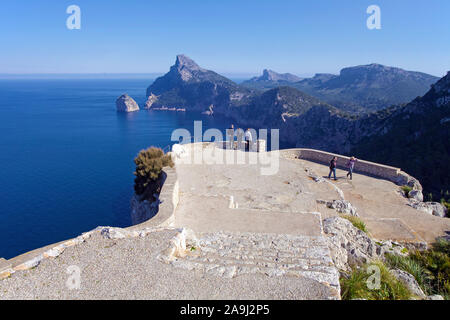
[129, 269]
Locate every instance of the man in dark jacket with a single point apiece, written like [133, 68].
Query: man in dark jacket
[333, 164]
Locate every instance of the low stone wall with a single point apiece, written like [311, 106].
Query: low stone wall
[365, 167]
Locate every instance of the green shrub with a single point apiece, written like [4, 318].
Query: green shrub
[446, 204]
[437, 261]
[149, 166]
[355, 285]
[357, 222]
[406, 190]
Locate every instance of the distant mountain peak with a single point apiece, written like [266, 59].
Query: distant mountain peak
[184, 61]
[373, 67]
[379, 69]
[270, 75]
[188, 85]
[185, 68]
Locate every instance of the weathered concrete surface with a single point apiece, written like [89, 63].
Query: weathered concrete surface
[212, 214]
[288, 191]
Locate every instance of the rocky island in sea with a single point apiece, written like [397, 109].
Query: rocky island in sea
[126, 104]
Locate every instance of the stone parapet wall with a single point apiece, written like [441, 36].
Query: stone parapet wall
[365, 167]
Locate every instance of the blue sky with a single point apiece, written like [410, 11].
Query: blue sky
[228, 36]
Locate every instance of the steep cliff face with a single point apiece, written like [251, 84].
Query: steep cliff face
[189, 86]
[303, 121]
[415, 137]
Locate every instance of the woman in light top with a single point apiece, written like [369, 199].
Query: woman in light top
[351, 166]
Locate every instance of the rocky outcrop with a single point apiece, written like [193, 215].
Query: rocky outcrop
[393, 247]
[342, 206]
[404, 179]
[415, 195]
[150, 101]
[126, 104]
[349, 246]
[434, 208]
[409, 281]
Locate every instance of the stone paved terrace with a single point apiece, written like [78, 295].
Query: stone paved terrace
[245, 236]
[206, 190]
[383, 208]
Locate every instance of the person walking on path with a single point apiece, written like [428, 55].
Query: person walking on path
[351, 166]
[333, 164]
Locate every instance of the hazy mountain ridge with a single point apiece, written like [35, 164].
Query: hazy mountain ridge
[362, 88]
[272, 76]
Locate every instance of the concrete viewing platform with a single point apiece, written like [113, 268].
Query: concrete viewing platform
[229, 230]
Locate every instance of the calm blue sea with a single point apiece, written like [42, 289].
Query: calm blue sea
[66, 156]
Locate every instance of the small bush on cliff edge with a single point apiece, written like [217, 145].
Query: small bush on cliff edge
[149, 165]
[406, 190]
